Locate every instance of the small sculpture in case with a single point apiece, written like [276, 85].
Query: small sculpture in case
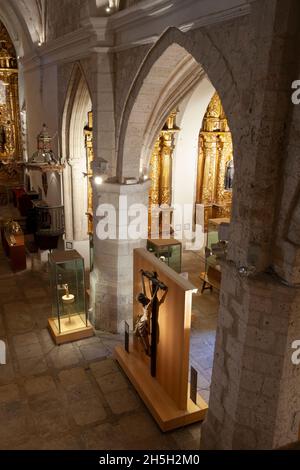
[69, 321]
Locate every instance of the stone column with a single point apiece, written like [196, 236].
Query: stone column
[79, 202]
[255, 394]
[112, 277]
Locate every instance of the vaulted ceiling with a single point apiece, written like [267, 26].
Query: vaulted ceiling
[24, 22]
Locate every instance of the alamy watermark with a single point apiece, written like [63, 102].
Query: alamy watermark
[296, 93]
[2, 353]
[296, 354]
[131, 222]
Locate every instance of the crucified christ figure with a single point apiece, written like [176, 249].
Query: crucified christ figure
[142, 325]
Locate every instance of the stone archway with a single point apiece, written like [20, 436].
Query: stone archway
[169, 55]
[171, 50]
[75, 116]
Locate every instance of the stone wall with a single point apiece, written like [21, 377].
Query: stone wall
[127, 64]
[65, 16]
[254, 400]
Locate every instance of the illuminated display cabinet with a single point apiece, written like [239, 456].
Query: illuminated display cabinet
[212, 275]
[167, 250]
[69, 321]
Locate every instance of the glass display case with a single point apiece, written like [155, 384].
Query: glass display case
[69, 321]
[212, 275]
[167, 250]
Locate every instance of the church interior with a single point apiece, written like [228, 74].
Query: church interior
[150, 225]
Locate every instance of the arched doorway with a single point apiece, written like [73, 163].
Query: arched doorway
[77, 150]
[192, 165]
[164, 61]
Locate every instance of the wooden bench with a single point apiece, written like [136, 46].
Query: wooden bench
[211, 279]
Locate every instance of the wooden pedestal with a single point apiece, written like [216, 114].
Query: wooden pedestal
[165, 391]
[161, 406]
[71, 335]
[16, 252]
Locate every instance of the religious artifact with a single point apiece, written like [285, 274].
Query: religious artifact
[68, 299]
[229, 174]
[44, 154]
[149, 315]
[11, 145]
[69, 320]
[12, 228]
[156, 359]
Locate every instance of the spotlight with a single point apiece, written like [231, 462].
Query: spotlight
[108, 9]
[98, 180]
[146, 177]
[40, 43]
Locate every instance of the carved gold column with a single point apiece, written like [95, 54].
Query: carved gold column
[223, 197]
[161, 166]
[209, 150]
[88, 132]
[166, 168]
[154, 175]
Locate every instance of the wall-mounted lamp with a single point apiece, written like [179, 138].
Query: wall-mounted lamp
[99, 170]
[98, 180]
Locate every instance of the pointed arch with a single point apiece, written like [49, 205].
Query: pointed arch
[78, 104]
[173, 48]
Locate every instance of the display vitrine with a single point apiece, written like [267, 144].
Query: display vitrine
[212, 275]
[69, 321]
[167, 250]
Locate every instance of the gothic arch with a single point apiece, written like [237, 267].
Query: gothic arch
[17, 27]
[78, 100]
[77, 105]
[164, 57]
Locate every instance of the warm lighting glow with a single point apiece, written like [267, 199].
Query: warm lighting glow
[98, 180]
[107, 9]
[146, 177]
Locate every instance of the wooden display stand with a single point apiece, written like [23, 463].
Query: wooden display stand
[75, 333]
[16, 252]
[167, 394]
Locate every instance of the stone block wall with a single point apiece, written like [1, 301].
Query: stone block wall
[65, 16]
[112, 278]
[254, 402]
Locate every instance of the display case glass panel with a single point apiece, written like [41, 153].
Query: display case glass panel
[68, 291]
[212, 239]
[168, 251]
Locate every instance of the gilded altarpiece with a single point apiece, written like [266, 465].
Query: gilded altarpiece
[10, 134]
[215, 163]
[88, 132]
[161, 166]
[10, 147]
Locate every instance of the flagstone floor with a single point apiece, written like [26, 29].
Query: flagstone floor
[75, 396]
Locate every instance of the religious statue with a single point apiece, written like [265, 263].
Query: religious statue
[142, 325]
[229, 174]
[68, 299]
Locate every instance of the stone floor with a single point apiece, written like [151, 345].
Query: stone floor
[204, 323]
[75, 396]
